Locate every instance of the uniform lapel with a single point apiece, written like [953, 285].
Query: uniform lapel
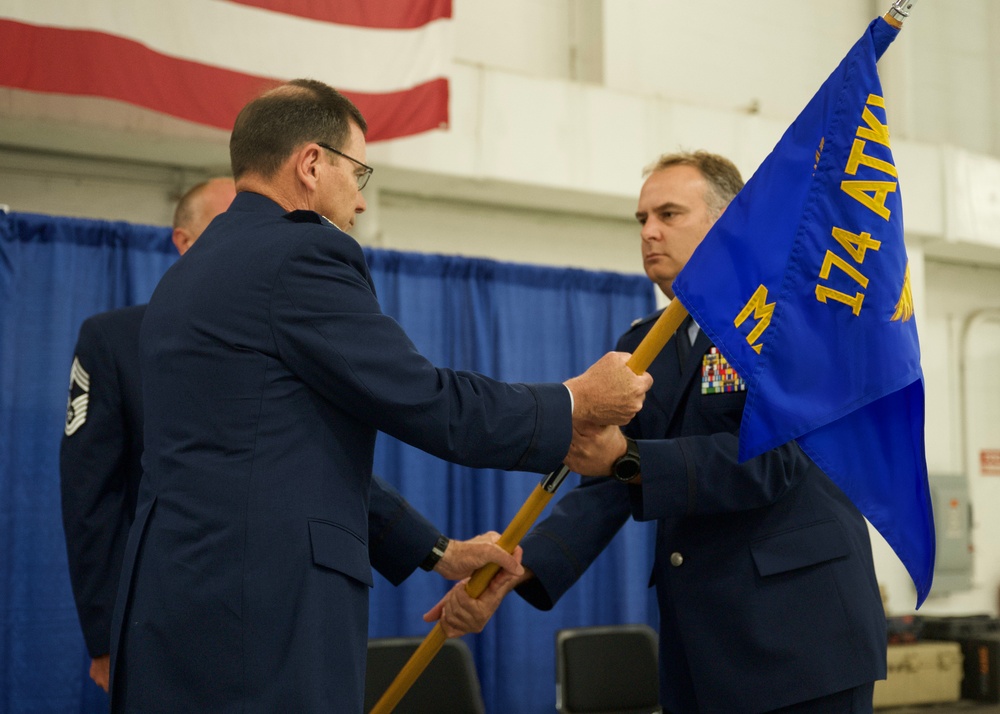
[672, 376]
[680, 375]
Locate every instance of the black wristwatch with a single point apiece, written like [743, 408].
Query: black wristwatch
[626, 467]
[437, 552]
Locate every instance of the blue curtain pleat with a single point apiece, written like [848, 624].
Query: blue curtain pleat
[54, 273]
[514, 322]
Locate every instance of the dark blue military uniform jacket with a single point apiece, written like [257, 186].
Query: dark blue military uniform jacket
[268, 369]
[99, 464]
[100, 471]
[763, 570]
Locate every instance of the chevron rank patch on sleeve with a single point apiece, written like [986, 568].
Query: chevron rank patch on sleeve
[79, 396]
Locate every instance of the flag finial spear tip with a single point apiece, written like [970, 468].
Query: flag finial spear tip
[899, 11]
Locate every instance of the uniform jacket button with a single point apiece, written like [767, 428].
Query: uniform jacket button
[676, 559]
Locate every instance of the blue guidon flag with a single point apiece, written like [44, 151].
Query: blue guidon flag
[803, 285]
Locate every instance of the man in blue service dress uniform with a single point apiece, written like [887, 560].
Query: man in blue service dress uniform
[268, 368]
[100, 468]
[763, 570]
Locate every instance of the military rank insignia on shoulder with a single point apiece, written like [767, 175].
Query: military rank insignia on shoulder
[718, 376]
[79, 397]
[643, 320]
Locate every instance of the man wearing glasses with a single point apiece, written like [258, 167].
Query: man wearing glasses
[268, 368]
[100, 469]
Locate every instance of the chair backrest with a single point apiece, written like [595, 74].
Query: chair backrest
[449, 685]
[605, 670]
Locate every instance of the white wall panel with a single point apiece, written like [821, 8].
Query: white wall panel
[729, 55]
[518, 235]
[921, 186]
[92, 188]
[954, 65]
[530, 37]
[981, 354]
[972, 198]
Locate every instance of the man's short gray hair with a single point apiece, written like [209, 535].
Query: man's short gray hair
[724, 180]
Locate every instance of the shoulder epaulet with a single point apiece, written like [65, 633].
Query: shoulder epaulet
[643, 320]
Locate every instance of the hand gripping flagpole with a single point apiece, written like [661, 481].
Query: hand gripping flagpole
[665, 326]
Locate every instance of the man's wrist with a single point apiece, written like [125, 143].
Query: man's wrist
[626, 468]
[572, 401]
[437, 552]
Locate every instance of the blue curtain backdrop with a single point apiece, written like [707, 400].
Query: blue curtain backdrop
[514, 322]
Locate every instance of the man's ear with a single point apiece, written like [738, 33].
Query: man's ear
[307, 162]
[183, 239]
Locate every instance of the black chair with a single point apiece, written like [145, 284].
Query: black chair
[449, 685]
[607, 670]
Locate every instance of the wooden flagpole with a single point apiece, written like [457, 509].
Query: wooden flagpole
[665, 326]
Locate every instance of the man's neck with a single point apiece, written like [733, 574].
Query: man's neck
[274, 189]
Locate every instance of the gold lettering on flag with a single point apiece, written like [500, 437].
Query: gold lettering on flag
[904, 308]
[762, 311]
[870, 194]
[859, 190]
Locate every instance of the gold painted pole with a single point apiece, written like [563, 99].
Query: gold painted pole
[665, 326]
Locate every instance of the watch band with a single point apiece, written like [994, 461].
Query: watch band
[437, 552]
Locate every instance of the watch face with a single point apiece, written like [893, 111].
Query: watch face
[626, 468]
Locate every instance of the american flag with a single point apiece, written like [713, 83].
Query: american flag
[202, 60]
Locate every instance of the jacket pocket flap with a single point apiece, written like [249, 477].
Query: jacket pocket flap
[337, 548]
[799, 548]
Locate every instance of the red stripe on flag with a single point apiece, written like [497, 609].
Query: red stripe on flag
[394, 114]
[381, 14]
[83, 62]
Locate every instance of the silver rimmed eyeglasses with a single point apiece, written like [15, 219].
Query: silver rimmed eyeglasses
[362, 177]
